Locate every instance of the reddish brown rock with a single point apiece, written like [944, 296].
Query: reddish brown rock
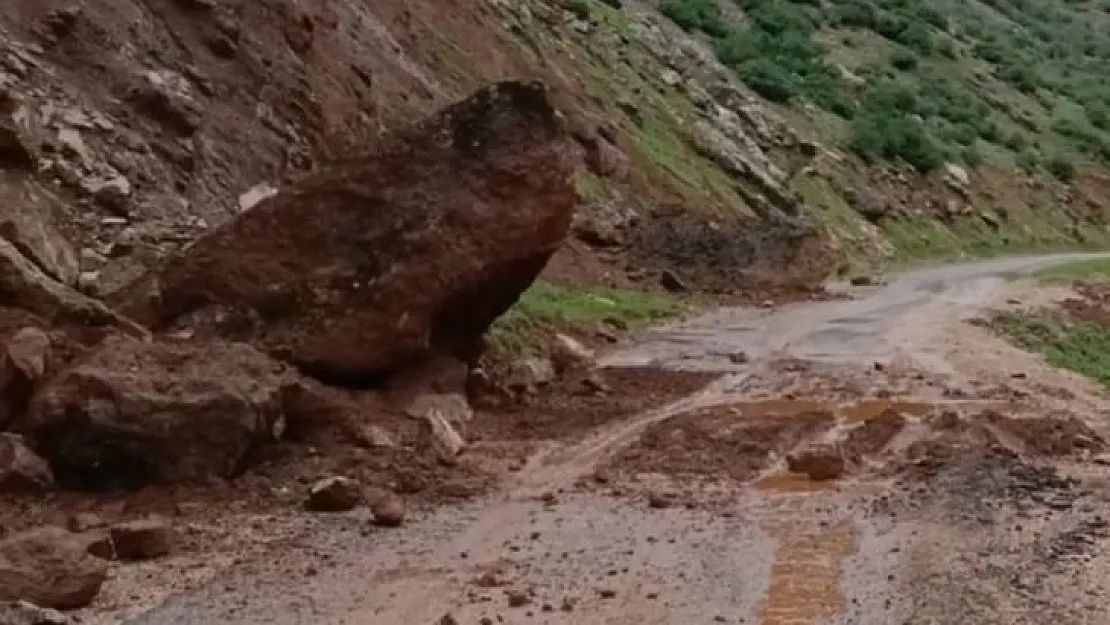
[382, 258]
[51, 568]
[388, 510]
[333, 494]
[22, 470]
[133, 412]
[145, 539]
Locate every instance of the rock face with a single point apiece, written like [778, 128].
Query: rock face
[469, 205]
[132, 412]
[26, 210]
[51, 568]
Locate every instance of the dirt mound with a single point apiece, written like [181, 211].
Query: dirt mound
[576, 404]
[380, 258]
[719, 443]
[748, 442]
[787, 256]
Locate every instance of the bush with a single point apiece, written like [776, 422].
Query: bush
[703, 15]
[903, 59]
[767, 79]
[1061, 167]
[893, 135]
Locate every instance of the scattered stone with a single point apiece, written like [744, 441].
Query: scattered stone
[256, 195]
[606, 593]
[739, 358]
[669, 280]
[820, 462]
[659, 500]
[529, 374]
[438, 436]
[20, 135]
[333, 494]
[518, 598]
[448, 619]
[25, 613]
[27, 352]
[567, 353]
[50, 567]
[377, 437]
[85, 521]
[142, 540]
[388, 510]
[22, 470]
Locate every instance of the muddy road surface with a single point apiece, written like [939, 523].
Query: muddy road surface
[868, 461]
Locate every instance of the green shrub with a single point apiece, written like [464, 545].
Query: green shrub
[1061, 167]
[703, 15]
[903, 59]
[894, 135]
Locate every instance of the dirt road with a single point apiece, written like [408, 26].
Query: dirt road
[953, 514]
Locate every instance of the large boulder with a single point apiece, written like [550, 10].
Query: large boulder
[132, 412]
[50, 567]
[382, 258]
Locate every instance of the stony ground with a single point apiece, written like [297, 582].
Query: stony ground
[965, 483]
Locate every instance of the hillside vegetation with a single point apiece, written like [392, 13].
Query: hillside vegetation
[1019, 82]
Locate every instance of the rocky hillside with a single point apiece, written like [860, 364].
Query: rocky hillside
[728, 144]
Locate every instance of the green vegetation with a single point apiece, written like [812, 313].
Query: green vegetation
[1080, 347]
[546, 306]
[1097, 269]
[928, 81]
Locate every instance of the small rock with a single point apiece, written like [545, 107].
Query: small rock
[518, 598]
[256, 195]
[142, 540]
[377, 437]
[862, 281]
[438, 436]
[25, 613]
[820, 462]
[28, 352]
[88, 282]
[767, 303]
[388, 510]
[448, 619]
[670, 281]
[606, 593]
[22, 470]
[85, 521]
[739, 358]
[659, 500]
[333, 494]
[567, 353]
[50, 567]
[529, 374]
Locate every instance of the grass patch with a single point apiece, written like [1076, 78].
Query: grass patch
[1096, 269]
[1080, 347]
[546, 306]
